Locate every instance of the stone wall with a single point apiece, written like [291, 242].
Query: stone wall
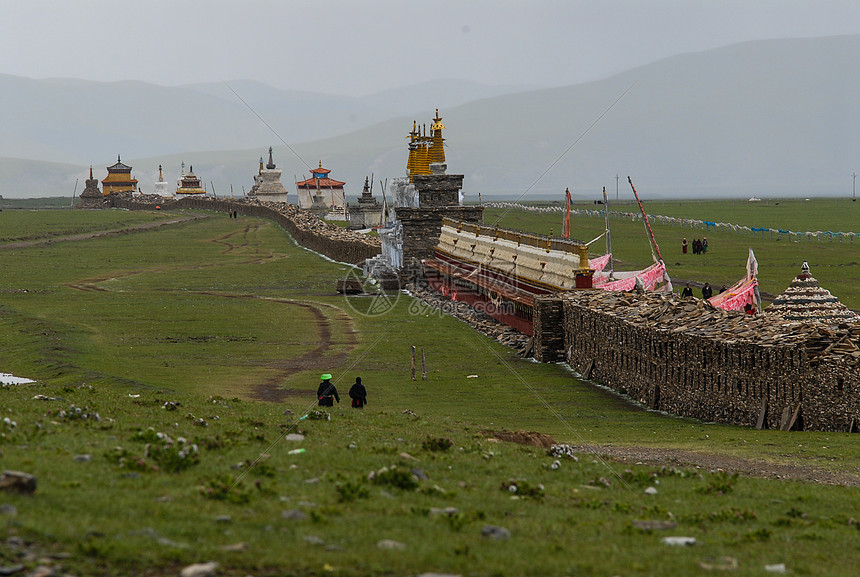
[689, 359]
[548, 319]
[333, 241]
[438, 189]
[422, 226]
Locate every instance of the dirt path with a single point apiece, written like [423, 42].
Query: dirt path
[680, 458]
[271, 390]
[98, 233]
[326, 318]
[710, 461]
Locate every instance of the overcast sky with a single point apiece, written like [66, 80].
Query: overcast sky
[360, 47]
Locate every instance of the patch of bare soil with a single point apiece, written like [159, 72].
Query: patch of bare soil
[678, 458]
[530, 438]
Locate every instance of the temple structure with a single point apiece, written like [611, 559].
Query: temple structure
[267, 183]
[368, 213]
[420, 202]
[91, 197]
[188, 185]
[320, 183]
[161, 185]
[118, 179]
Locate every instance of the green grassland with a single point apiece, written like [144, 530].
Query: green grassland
[212, 332]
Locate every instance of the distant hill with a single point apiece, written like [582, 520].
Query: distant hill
[765, 118]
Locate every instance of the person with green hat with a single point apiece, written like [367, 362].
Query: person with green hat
[326, 392]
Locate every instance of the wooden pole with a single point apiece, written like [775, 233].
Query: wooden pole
[413, 362]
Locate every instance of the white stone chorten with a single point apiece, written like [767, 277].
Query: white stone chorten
[161, 185]
[267, 185]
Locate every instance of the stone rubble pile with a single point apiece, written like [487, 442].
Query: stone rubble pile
[667, 312]
[306, 221]
[835, 343]
[480, 321]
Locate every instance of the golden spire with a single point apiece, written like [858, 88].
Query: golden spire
[437, 148]
[411, 165]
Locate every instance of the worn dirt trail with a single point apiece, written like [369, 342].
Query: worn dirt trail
[98, 233]
[680, 458]
[325, 325]
[327, 319]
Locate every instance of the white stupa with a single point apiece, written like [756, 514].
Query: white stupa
[267, 185]
[161, 185]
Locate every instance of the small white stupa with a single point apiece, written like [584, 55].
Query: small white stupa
[267, 185]
[161, 185]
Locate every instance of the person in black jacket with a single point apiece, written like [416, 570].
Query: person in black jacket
[687, 292]
[358, 394]
[707, 291]
[326, 392]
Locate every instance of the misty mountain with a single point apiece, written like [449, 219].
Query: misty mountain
[764, 118]
[77, 121]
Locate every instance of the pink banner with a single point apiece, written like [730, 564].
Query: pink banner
[599, 263]
[649, 277]
[737, 297]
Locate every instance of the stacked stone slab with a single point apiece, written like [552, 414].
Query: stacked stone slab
[438, 189]
[805, 300]
[91, 197]
[690, 359]
[683, 357]
[548, 316]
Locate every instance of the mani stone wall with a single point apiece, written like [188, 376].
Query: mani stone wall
[438, 198]
[331, 240]
[547, 316]
[438, 189]
[422, 227]
[690, 359]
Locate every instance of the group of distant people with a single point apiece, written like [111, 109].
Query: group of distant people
[327, 393]
[233, 214]
[699, 246]
[707, 291]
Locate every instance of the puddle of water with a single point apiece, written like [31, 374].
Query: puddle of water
[10, 379]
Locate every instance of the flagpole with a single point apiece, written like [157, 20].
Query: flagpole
[608, 237]
[647, 223]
